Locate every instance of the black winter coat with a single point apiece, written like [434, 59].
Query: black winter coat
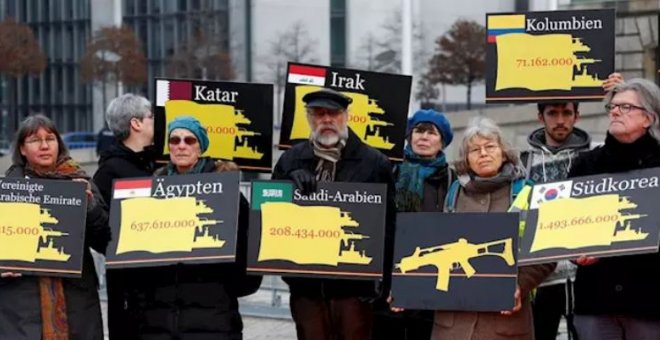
[619, 285]
[359, 163]
[183, 301]
[122, 162]
[20, 306]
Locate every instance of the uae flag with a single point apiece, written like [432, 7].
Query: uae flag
[132, 188]
[307, 75]
[172, 90]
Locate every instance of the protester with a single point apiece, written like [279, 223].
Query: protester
[421, 185]
[44, 307]
[185, 300]
[131, 120]
[487, 169]
[615, 297]
[336, 309]
[554, 148]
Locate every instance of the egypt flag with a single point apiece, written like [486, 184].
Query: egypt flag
[172, 90]
[308, 75]
[505, 24]
[549, 192]
[132, 188]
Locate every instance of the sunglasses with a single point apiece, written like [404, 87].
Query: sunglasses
[189, 140]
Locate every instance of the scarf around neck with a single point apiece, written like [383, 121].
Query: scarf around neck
[413, 172]
[473, 183]
[326, 168]
[54, 317]
[197, 169]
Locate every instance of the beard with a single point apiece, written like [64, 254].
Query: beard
[330, 138]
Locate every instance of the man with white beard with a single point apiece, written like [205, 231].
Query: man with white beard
[337, 309]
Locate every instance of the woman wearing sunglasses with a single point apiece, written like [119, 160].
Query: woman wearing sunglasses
[192, 301]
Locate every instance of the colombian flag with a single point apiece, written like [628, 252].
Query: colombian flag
[504, 24]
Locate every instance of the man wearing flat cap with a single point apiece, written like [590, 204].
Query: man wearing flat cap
[336, 309]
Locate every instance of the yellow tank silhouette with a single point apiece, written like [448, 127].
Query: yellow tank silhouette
[23, 236]
[165, 225]
[575, 230]
[560, 69]
[451, 256]
[223, 125]
[365, 126]
[309, 235]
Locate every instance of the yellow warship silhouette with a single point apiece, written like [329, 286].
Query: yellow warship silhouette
[596, 232]
[558, 76]
[360, 113]
[227, 139]
[36, 244]
[315, 235]
[451, 256]
[144, 225]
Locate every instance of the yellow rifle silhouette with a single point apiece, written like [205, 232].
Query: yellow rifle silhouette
[447, 257]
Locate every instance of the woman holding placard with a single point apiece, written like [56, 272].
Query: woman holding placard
[422, 182]
[186, 300]
[488, 174]
[45, 307]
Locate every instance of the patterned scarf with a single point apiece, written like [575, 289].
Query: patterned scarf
[53, 302]
[412, 174]
[328, 157]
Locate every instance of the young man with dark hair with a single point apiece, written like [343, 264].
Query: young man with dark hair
[554, 148]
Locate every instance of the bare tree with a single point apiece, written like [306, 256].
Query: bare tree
[460, 57]
[426, 91]
[292, 45]
[20, 55]
[206, 53]
[382, 52]
[113, 55]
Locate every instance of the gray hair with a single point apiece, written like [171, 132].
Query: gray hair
[649, 96]
[30, 126]
[485, 128]
[124, 108]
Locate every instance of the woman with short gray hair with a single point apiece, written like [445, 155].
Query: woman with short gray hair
[488, 176]
[617, 297]
[122, 110]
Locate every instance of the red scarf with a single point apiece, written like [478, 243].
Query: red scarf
[54, 320]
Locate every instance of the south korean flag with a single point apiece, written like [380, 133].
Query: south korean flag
[549, 192]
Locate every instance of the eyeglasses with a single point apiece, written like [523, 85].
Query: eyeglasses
[321, 111]
[38, 141]
[623, 108]
[489, 148]
[189, 140]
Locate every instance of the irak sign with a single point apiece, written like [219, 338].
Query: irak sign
[377, 113]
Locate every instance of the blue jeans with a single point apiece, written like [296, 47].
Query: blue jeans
[614, 327]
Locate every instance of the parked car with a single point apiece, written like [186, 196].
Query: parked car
[79, 140]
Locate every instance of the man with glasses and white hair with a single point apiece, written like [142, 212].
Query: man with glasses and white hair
[131, 119]
[617, 298]
[336, 309]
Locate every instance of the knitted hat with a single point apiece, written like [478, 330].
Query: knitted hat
[436, 118]
[193, 125]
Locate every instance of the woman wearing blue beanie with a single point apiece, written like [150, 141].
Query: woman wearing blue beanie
[422, 183]
[185, 301]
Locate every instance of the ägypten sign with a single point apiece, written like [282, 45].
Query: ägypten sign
[377, 115]
[558, 55]
[463, 261]
[42, 226]
[601, 215]
[337, 231]
[237, 116]
[174, 219]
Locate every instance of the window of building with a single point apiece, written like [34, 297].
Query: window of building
[338, 33]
